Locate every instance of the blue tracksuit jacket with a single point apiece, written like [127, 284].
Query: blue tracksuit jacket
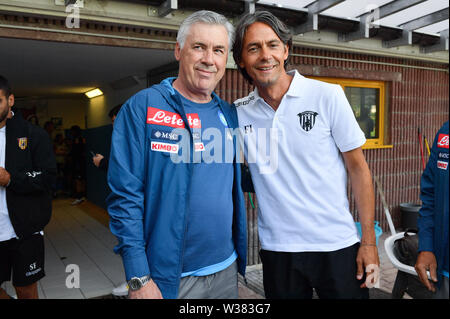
[148, 200]
[433, 215]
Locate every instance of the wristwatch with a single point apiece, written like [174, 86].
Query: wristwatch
[137, 283]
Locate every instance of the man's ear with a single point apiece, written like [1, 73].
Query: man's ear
[177, 51]
[10, 105]
[11, 100]
[286, 53]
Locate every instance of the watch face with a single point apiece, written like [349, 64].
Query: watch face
[135, 284]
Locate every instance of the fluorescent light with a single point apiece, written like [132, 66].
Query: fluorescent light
[93, 93]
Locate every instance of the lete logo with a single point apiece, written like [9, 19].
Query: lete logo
[166, 118]
[443, 141]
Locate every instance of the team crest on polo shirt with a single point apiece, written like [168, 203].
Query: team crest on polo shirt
[307, 119]
[23, 142]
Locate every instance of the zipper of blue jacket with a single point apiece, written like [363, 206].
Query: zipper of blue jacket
[179, 107]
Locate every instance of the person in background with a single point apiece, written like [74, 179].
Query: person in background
[308, 236]
[433, 218]
[99, 160]
[61, 150]
[365, 122]
[102, 163]
[49, 127]
[78, 164]
[68, 176]
[27, 172]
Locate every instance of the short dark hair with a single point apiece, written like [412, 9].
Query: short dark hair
[272, 21]
[5, 86]
[114, 111]
[75, 131]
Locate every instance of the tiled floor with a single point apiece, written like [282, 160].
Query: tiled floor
[79, 235]
[74, 238]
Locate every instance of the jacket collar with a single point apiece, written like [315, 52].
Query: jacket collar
[173, 98]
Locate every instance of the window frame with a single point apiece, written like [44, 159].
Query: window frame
[378, 142]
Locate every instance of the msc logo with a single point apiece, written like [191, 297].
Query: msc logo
[165, 135]
[307, 119]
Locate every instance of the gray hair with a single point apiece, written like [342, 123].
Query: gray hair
[208, 17]
[281, 30]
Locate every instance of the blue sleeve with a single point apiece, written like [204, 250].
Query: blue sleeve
[126, 178]
[425, 222]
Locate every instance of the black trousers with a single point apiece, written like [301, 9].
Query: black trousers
[332, 274]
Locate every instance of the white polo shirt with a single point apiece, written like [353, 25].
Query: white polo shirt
[6, 228]
[302, 189]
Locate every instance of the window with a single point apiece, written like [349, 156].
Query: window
[364, 102]
[367, 101]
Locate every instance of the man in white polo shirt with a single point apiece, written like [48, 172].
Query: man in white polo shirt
[307, 233]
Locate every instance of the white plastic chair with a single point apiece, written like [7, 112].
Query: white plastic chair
[389, 242]
[389, 248]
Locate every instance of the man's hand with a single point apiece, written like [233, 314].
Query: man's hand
[5, 177]
[97, 159]
[368, 255]
[426, 261]
[149, 291]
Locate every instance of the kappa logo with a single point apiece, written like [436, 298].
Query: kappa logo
[246, 101]
[307, 119]
[442, 141]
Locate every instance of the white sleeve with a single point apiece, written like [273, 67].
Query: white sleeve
[344, 128]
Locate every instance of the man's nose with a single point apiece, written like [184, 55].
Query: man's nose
[208, 57]
[265, 53]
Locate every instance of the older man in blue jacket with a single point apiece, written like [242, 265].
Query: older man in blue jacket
[176, 205]
[433, 218]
